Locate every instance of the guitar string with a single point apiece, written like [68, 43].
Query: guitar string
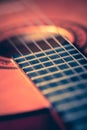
[21, 53]
[13, 44]
[36, 8]
[58, 42]
[39, 48]
[28, 63]
[67, 51]
[46, 55]
[52, 99]
[80, 52]
[47, 20]
[37, 57]
[57, 98]
[75, 71]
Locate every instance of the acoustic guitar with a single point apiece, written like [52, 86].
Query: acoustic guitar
[43, 70]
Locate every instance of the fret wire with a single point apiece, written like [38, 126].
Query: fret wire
[60, 34]
[40, 22]
[75, 54]
[47, 68]
[49, 59]
[39, 58]
[45, 57]
[64, 86]
[77, 97]
[65, 51]
[18, 51]
[35, 53]
[40, 62]
[77, 74]
[48, 22]
[68, 53]
[42, 76]
[82, 59]
[61, 57]
[50, 66]
[13, 44]
[60, 78]
[53, 73]
[22, 55]
[17, 58]
[77, 102]
[73, 46]
[72, 105]
[45, 61]
[57, 97]
[71, 49]
[48, 85]
[36, 58]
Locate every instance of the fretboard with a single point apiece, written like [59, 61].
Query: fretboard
[59, 70]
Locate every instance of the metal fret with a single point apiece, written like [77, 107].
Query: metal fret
[57, 79]
[55, 72]
[62, 96]
[71, 117]
[60, 73]
[61, 87]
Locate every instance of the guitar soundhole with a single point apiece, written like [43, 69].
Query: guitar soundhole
[27, 44]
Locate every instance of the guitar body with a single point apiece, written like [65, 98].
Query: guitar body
[23, 106]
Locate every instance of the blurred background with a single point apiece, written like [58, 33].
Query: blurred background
[74, 10]
[68, 14]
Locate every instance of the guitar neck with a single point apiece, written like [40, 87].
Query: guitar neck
[59, 71]
[56, 71]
